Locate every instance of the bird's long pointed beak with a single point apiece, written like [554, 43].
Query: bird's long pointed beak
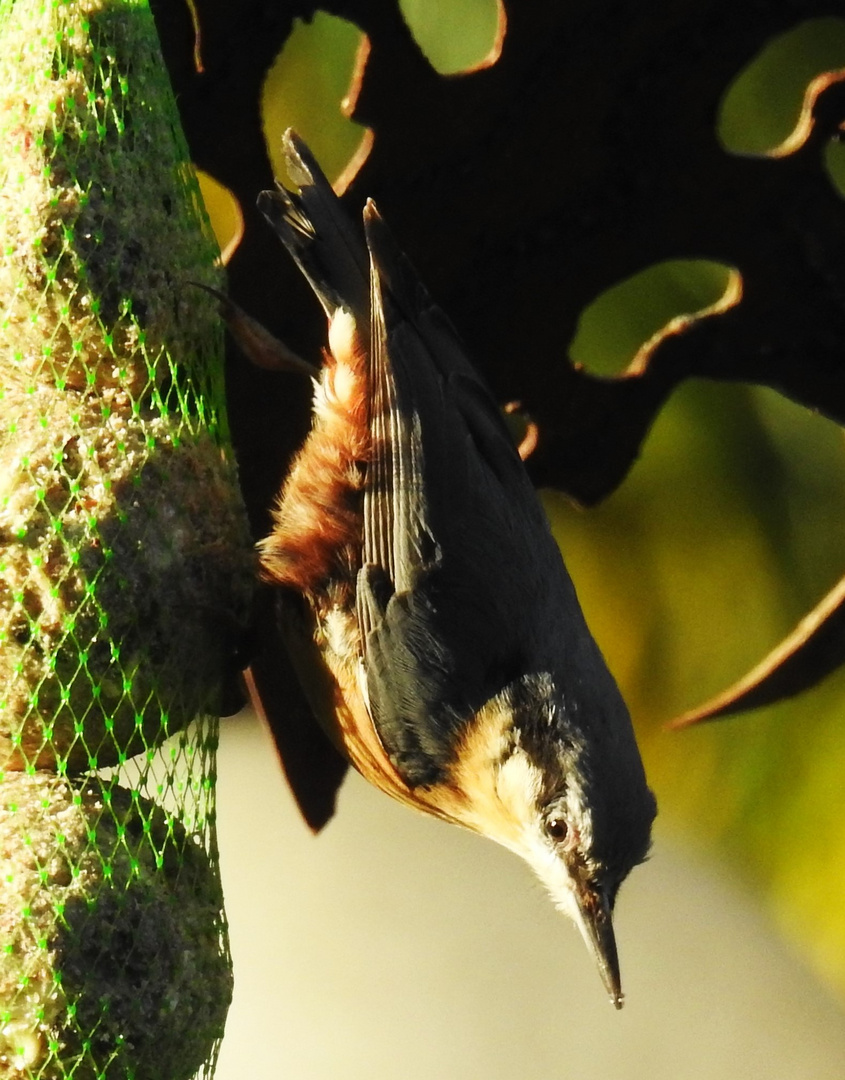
[596, 926]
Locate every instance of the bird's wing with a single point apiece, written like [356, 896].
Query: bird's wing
[456, 548]
[460, 579]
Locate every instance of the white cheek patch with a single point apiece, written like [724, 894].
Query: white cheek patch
[518, 785]
[517, 788]
[550, 868]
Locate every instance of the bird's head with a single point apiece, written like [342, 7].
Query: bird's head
[567, 795]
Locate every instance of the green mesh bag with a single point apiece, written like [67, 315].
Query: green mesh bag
[124, 559]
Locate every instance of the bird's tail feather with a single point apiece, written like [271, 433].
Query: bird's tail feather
[315, 228]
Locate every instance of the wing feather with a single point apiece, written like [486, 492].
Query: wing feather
[456, 548]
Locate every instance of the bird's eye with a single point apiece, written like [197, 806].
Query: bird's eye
[557, 829]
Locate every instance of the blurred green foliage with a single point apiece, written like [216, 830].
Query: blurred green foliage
[224, 212]
[304, 89]
[727, 531]
[623, 317]
[763, 104]
[453, 34]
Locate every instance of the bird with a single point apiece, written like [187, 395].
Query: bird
[421, 595]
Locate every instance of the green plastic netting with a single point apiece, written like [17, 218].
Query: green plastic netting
[124, 560]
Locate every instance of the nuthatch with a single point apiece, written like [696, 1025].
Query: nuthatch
[423, 598]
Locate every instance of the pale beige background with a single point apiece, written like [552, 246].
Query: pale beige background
[397, 948]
